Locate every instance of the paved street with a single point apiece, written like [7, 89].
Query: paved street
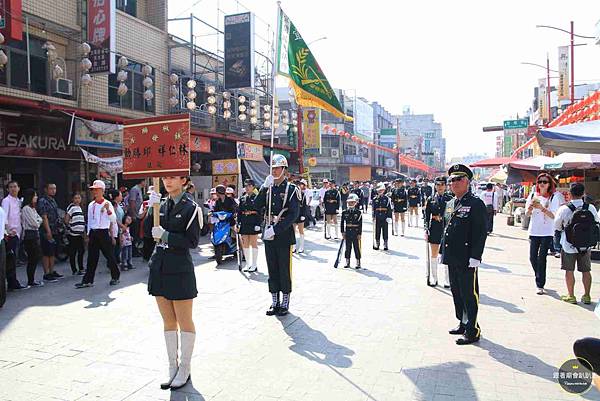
[375, 334]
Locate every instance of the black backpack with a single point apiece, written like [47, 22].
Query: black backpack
[582, 231]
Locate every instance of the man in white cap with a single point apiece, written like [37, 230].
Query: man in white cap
[101, 215]
[382, 216]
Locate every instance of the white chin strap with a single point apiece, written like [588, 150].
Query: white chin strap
[280, 175]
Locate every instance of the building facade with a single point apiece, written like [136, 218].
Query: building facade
[421, 138]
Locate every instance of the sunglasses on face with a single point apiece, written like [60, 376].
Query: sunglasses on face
[543, 182]
[456, 179]
[441, 184]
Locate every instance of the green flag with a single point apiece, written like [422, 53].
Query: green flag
[296, 61]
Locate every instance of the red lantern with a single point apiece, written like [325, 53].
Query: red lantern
[347, 134]
[354, 138]
[341, 133]
[326, 128]
[334, 130]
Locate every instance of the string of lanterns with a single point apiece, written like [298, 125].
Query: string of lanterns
[3, 56]
[86, 64]
[355, 138]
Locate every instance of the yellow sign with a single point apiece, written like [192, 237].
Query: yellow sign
[563, 73]
[224, 167]
[311, 129]
[224, 180]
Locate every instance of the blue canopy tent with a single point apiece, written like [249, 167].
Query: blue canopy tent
[575, 138]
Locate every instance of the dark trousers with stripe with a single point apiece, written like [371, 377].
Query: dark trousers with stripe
[464, 285]
[352, 242]
[279, 264]
[381, 225]
[100, 241]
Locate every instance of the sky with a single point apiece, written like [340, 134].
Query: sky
[459, 60]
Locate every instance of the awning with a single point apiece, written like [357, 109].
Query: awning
[573, 161]
[495, 162]
[532, 163]
[574, 138]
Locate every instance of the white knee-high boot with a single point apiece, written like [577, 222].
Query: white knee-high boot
[335, 230]
[403, 227]
[254, 258]
[433, 277]
[185, 365]
[446, 275]
[172, 344]
[300, 246]
[247, 257]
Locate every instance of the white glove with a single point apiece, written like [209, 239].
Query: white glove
[154, 198]
[388, 220]
[440, 258]
[473, 263]
[268, 181]
[157, 232]
[302, 218]
[269, 233]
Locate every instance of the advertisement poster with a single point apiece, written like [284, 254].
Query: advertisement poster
[311, 129]
[225, 167]
[239, 51]
[101, 36]
[98, 134]
[249, 151]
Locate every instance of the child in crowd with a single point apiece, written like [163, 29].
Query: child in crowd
[126, 245]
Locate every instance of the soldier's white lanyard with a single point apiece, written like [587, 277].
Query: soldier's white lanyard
[283, 208]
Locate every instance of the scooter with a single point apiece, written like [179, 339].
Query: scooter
[221, 238]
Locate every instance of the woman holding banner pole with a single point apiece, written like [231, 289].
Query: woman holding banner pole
[172, 280]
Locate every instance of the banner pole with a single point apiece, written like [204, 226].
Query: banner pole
[156, 206]
[273, 94]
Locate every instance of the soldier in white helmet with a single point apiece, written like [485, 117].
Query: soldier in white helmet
[279, 232]
[351, 227]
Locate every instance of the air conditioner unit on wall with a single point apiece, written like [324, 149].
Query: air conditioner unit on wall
[62, 86]
[335, 153]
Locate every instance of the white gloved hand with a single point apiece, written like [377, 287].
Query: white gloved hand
[302, 218]
[268, 181]
[269, 233]
[154, 198]
[440, 258]
[388, 220]
[473, 263]
[157, 232]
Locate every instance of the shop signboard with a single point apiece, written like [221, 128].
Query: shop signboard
[239, 51]
[157, 146]
[563, 73]
[200, 144]
[101, 35]
[311, 129]
[249, 151]
[224, 179]
[98, 134]
[11, 19]
[225, 167]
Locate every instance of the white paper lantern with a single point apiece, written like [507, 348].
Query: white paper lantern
[147, 82]
[211, 100]
[191, 94]
[85, 49]
[210, 90]
[267, 124]
[1, 38]
[242, 117]
[253, 120]
[148, 95]
[123, 62]
[226, 104]
[266, 107]
[3, 58]
[266, 116]
[294, 122]
[275, 124]
[294, 129]
[294, 115]
[146, 70]
[212, 109]
[86, 80]
[174, 78]
[285, 120]
[86, 64]
[226, 95]
[122, 76]
[191, 84]
[191, 105]
[122, 89]
[253, 112]
[253, 103]
[57, 72]
[173, 101]
[285, 127]
[242, 108]
[242, 99]
[173, 90]
[226, 114]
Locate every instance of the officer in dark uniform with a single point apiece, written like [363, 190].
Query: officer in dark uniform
[332, 201]
[249, 220]
[344, 193]
[462, 248]
[304, 211]
[435, 208]
[426, 191]
[355, 189]
[279, 232]
[351, 227]
[382, 215]
[400, 201]
[414, 200]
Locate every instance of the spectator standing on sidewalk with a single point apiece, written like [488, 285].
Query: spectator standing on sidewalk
[126, 244]
[541, 205]
[574, 212]
[75, 222]
[12, 207]
[115, 197]
[48, 209]
[134, 204]
[31, 222]
[490, 200]
[101, 215]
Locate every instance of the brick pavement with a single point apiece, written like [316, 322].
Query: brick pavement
[376, 334]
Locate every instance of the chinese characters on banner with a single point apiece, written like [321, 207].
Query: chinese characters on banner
[225, 172]
[200, 144]
[311, 129]
[157, 146]
[249, 151]
[563, 73]
[101, 36]
[542, 100]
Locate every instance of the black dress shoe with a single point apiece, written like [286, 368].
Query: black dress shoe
[446, 286]
[282, 311]
[465, 340]
[460, 329]
[273, 310]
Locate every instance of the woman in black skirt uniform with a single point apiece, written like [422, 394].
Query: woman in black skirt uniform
[172, 280]
[435, 207]
[299, 224]
[249, 220]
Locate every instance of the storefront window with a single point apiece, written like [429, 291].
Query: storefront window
[134, 98]
[15, 73]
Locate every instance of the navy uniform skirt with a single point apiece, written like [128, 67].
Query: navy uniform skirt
[436, 229]
[172, 275]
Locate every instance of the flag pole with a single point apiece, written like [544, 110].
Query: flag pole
[274, 67]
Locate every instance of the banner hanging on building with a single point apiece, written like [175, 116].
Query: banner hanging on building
[101, 35]
[239, 51]
[311, 129]
[200, 144]
[542, 100]
[98, 134]
[249, 151]
[563, 73]
[112, 165]
[11, 19]
[225, 167]
[157, 146]
[296, 61]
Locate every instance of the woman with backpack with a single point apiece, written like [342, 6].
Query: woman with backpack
[542, 204]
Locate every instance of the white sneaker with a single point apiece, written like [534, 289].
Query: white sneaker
[540, 291]
[251, 269]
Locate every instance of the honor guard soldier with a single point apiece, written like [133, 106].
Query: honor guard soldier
[400, 202]
[332, 202]
[414, 200]
[426, 191]
[304, 211]
[279, 233]
[382, 215]
[351, 227]
[435, 208]
[462, 248]
[357, 191]
[249, 219]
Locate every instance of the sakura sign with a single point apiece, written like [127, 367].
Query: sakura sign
[101, 35]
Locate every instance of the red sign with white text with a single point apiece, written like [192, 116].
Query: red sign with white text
[101, 35]
[157, 146]
[200, 144]
[11, 19]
